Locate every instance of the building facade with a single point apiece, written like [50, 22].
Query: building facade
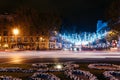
[26, 42]
[23, 40]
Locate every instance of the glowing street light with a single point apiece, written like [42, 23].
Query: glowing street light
[41, 38]
[59, 66]
[16, 32]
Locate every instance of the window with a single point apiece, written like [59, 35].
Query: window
[18, 39]
[37, 39]
[31, 39]
[11, 39]
[5, 39]
[5, 33]
[25, 39]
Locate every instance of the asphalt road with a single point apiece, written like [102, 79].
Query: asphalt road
[21, 57]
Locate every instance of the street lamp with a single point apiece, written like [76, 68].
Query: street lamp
[16, 32]
[58, 66]
[41, 38]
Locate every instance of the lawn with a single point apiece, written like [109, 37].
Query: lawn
[61, 75]
[24, 66]
[23, 76]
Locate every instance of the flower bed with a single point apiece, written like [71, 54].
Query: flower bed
[66, 66]
[112, 75]
[40, 65]
[80, 75]
[4, 77]
[43, 76]
[104, 66]
[15, 69]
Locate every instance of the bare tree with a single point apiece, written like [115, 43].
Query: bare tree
[113, 14]
[37, 23]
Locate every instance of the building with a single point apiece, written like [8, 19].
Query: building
[23, 40]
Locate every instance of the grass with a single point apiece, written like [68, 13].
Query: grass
[24, 66]
[97, 73]
[61, 75]
[23, 76]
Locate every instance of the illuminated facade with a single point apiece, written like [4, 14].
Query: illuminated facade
[25, 39]
[25, 42]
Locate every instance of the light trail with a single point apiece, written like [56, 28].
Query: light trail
[60, 54]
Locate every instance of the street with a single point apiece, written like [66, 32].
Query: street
[20, 57]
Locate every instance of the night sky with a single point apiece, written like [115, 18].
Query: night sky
[80, 13]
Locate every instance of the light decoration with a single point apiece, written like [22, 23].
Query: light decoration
[83, 38]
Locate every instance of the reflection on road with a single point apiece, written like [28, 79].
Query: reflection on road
[15, 59]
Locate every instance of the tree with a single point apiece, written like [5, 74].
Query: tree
[112, 35]
[23, 19]
[37, 23]
[48, 22]
[113, 15]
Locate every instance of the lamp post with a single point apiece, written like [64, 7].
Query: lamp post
[15, 32]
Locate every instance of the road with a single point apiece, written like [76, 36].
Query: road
[20, 57]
